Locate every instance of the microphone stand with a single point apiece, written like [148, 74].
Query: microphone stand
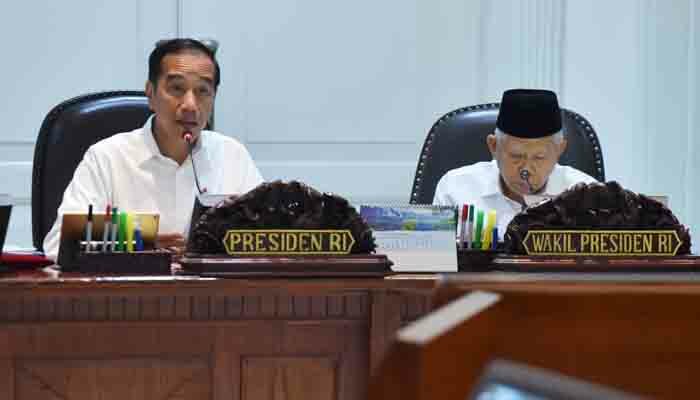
[187, 136]
[525, 175]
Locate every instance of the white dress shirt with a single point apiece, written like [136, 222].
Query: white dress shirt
[479, 184]
[128, 171]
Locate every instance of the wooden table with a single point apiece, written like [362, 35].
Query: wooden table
[637, 332]
[177, 337]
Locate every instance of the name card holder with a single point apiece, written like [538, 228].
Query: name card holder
[287, 253]
[291, 266]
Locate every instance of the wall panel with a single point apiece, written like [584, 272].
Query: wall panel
[55, 51]
[341, 95]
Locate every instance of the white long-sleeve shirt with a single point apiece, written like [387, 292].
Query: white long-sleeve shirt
[478, 184]
[128, 171]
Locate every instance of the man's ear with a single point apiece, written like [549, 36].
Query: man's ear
[149, 93]
[562, 147]
[492, 143]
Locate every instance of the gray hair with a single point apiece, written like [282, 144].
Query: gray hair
[556, 137]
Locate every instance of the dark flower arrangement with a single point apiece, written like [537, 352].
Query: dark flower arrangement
[596, 206]
[279, 205]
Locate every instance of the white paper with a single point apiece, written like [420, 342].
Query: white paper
[418, 251]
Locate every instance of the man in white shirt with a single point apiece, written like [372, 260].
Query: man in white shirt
[150, 169]
[525, 146]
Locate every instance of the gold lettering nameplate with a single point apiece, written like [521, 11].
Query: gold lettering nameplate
[275, 242]
[601, 243]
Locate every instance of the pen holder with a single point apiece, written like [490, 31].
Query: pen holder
[72, 258]
[73, 254]
[151, 262]
[473, 260]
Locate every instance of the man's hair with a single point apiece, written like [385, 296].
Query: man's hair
[177, 46]
[557, 137]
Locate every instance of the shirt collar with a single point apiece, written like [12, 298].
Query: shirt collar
[492, 186]
[151, 149]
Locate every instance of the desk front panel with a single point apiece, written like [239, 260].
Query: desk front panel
[164, 338]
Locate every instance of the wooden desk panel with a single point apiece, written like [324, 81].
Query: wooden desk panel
[79, 337]
[636, 332]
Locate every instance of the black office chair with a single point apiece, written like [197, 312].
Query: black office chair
[459, 138]
[66, 133]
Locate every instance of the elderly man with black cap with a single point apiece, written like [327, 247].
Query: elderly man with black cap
[525, 146]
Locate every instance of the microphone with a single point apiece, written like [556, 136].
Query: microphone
[187, 137]
[525, 175]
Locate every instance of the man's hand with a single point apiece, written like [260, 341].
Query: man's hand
[173, 242]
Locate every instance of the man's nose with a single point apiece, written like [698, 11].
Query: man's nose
[189, 102]
[524, 165]
[530, 165]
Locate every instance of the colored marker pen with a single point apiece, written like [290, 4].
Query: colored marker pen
[115, 227]
[463, 225]
[129, 233]
[121, 245]
[106, 230]
[88, 231]
[476, 244]
[138, 238]
[494, 243]
[488, 232]
[470, 226]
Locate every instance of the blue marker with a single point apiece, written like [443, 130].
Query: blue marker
[138, 237]
[494, 243]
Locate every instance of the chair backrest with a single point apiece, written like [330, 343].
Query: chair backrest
[66, 133]
[459, 138]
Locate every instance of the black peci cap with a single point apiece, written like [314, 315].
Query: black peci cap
[529, 113]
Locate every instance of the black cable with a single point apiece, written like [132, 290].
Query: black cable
[190, 145]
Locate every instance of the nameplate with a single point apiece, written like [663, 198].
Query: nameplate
[274, 242]
[416, 237]
[601, 242]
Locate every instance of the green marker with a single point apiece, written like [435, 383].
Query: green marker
[129, 233]
[115, 227]
[476, 244]
[122, 231]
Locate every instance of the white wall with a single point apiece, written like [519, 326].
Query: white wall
[341, 94]
[54, 51]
